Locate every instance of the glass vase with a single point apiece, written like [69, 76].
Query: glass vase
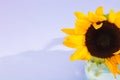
[95, 71]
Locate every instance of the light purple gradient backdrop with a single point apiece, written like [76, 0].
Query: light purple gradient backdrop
[31, 24]
[27, 26]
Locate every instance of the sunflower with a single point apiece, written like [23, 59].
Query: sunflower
[96, 37]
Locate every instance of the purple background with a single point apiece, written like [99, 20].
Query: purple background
[31, 24]
[27, 26]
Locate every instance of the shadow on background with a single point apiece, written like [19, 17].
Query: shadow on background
[42, 65]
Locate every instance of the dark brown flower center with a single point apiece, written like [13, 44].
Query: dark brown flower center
[104, 41]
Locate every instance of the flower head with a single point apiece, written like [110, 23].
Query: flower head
[96, 35]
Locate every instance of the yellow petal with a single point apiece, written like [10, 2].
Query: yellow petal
[69, 44]
[81, 54]
[68, 31]
[99, 11]
[118, 14]
[81, 26]
[118, 62]
[110, 67]
[117, 22]
[115, 65]
[111, 16]
[91, 17]
[74, 41]
[114, 60]
[101, 18]
[116, 53]
[80, 15]
[97, 26]
[96, 18]
[118, 71]
[117, 59]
